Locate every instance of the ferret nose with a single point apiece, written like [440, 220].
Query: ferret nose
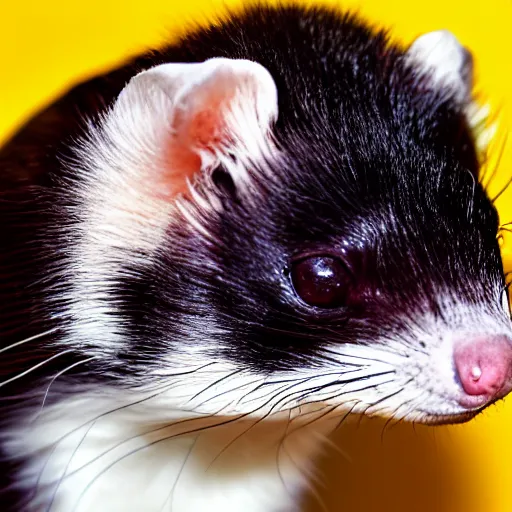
[484, 368]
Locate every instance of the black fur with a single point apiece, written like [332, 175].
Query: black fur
[378, 167]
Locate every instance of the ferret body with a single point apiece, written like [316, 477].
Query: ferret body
[216, 252]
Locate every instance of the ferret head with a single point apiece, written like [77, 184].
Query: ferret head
[285, 233]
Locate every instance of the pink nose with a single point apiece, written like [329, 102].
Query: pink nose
[484, 366]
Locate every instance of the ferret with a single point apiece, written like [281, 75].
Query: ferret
[214, 253]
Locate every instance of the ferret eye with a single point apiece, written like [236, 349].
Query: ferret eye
[321, 281]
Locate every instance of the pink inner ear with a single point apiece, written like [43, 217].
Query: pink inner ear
[207, 130]
[203, 131]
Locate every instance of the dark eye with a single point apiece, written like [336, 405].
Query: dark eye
[321, 281]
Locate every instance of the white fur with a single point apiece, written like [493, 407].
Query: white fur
[440, 54]
[505, 302]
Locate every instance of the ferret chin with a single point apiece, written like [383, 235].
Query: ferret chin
[215, 253]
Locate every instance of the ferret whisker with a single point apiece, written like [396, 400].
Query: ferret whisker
[281, 448]
[213, 384]
[286, 399]
[502, 191]
[358, 357]
[66, 467]
[361, 415]
[283, 437]
[410, 413]
[269, 413]
[170, 496]
[226, 391]
[330, 410]
[59, 374]
[403, 386]
[338, 363]
[307, 392]
[394, 417]
[35, 367]
[348, 412]
[310, 476]
[294, 382]
[273, 392]
[471, 201]
[342, 393]
[392, 420]
[334, 447]
[485, 164]
[345, 415]
[29, 339]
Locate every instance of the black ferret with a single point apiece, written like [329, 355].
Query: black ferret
[228, 244]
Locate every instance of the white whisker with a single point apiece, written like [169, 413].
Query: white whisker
[28, 340]
[35, 367]
[70, 367]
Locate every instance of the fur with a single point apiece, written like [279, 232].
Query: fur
[155, 355]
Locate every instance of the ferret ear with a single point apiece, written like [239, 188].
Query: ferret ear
[186, 118]
[449, 64]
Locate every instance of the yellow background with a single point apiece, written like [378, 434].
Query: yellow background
[46, 45]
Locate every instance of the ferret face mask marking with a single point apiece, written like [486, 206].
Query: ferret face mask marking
[251, 228]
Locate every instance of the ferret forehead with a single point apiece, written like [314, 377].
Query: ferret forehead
[337, 179]
[403, 217]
